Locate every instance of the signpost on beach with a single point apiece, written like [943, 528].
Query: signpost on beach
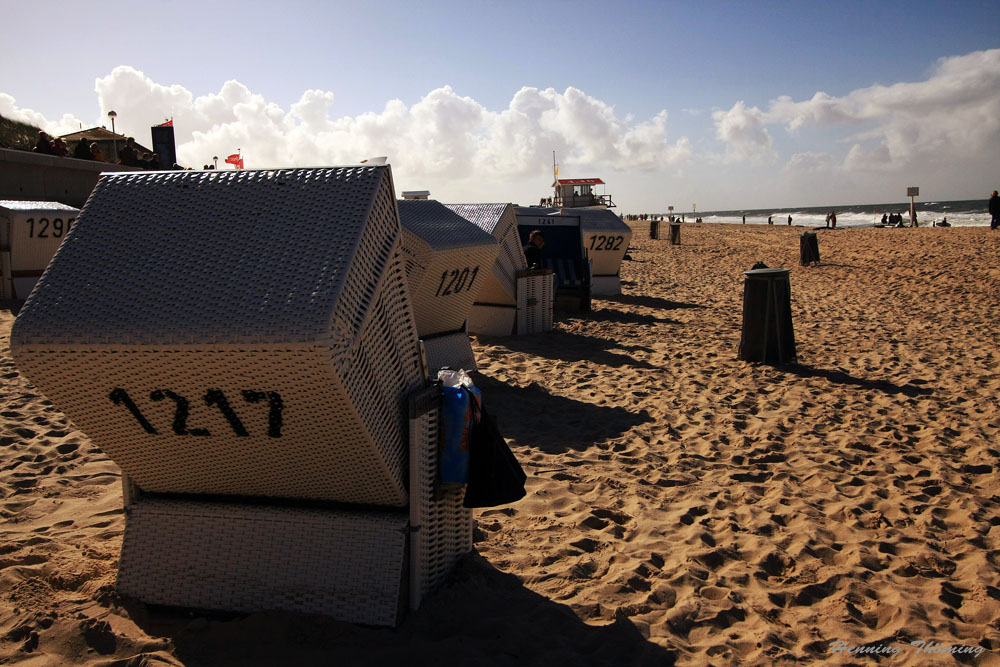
[911, 193]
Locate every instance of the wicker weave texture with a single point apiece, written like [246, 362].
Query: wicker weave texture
[500, 221]
[492, 320]
[535, 297]
[452, 350]
[242, 333]
[252, 558]
[448, 260]
[441, 528]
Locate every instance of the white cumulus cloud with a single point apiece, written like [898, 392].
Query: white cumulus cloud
[952, 115]
[744, 132]
[442, 141]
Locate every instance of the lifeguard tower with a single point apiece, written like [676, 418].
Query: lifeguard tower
[578, 193]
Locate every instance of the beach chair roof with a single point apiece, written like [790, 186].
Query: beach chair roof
[16, 205]
[500, 221]
[439, 227]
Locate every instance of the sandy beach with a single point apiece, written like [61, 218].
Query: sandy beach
[684, 506]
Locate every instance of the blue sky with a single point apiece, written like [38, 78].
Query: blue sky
[727, 104]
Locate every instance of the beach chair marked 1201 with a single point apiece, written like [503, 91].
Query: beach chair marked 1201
[448, 260]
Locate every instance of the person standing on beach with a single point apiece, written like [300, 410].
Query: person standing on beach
[995, 210]
[789, 221]
[533, 249]
[770, 221]
[744, 220]
[833, 219]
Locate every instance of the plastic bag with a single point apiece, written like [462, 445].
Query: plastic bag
[495, 476]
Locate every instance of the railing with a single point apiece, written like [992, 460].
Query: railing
[577, 201]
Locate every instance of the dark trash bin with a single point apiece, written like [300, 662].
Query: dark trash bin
[767, 317]
[654, 229]
[675, 233]
[808, 248]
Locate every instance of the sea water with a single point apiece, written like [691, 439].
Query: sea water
[968, 213]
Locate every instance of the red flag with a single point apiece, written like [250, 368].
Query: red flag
[169, 123]
[236, 160]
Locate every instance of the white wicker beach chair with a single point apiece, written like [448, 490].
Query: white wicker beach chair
[448, 260]
[606, 239]
[30, 234]
[242, 344]
[495, 309]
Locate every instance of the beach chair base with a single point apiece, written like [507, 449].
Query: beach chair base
[252, 558]
[534, 301]
[605, 285]
[492, 320]
[352, 564]
[573, 299]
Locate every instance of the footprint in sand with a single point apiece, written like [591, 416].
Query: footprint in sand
[813, 593]
[692, 514]
[951, 595]
[586, 545]
[776, 564]
[713, 592]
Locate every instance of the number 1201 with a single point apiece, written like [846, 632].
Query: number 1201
[456, 280]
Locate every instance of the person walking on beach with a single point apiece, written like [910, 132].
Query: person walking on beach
[995, 210]
[770, 220]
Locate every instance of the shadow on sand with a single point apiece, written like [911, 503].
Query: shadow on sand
[482, 616]
[647, 301]
[911, 389]
[620, 316]
[534, 418]
[572, 347]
